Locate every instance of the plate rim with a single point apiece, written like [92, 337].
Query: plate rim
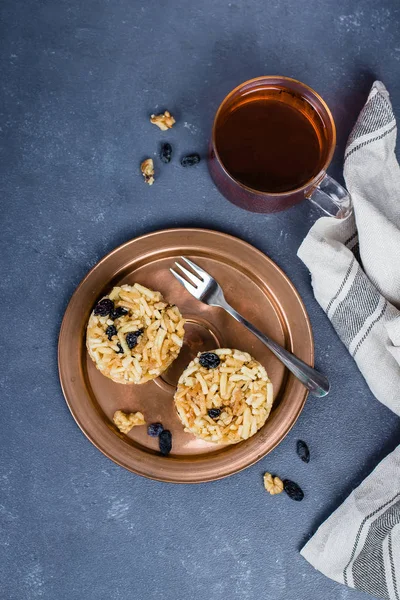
[184, 230]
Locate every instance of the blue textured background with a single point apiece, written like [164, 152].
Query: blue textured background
[79, 79]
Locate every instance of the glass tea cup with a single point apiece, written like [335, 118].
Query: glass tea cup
[286, 114]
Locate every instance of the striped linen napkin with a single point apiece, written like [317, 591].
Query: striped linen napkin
[355, 270]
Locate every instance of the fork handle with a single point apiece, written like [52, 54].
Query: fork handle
[315, 382]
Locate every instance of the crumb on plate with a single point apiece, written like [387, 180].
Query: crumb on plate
[125, 421]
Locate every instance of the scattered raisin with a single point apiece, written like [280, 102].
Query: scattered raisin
[155, 429]
[209, 360]
[190, 160]
[214, 413]
[293, 490]
[111, 331]
[165, 441]
[120, 349]
[104, 307]
[118, 312]
[166, 153]
[303, 451]
[132, 338]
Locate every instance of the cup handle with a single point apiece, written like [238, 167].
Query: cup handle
[332, 198]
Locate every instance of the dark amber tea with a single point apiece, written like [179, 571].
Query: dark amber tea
[271, 141]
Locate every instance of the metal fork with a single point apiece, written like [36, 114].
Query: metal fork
[207, 290]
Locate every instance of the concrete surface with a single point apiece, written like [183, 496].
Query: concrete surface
[79, 79]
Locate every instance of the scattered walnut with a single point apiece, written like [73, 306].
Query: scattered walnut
[273, 485]
[125, 421]
[147, 168]
[163, 121]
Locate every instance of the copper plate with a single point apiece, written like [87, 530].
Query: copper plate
[253, 284]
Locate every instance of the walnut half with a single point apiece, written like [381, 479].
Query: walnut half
[125, 421]
[147, 168]
[273, 485]
[163, 121]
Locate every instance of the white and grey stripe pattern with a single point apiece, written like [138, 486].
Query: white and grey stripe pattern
[359, 545]
[354, 264]
[375, 116]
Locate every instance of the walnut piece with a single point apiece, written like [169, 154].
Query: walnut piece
[273, 485]
[125, 421]
[163, 121]
[147, 168]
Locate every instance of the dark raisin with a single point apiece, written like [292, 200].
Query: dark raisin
[132, 338]
[155, 429]
[209, 360]
[111, 331]
[214, 413]
[104, 307]
[303, 451]
[293, 490]
[190, 160]
[165, 441]
[120, 349]
[118, 312]
[166, 153]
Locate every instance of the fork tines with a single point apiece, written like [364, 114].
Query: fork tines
[198, 281]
